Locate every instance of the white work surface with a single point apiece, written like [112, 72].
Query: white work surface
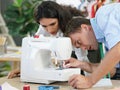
[15, 82]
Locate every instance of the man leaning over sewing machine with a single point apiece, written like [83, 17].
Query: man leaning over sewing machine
[86, 33]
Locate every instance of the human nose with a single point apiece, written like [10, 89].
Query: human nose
[48, 29]
[83, 47]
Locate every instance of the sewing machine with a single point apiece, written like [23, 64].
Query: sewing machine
[42, 59]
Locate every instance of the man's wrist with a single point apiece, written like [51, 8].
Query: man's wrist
[90, 80]
[85, 66]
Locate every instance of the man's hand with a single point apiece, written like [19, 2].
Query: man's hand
[72, 63]
[80, 82]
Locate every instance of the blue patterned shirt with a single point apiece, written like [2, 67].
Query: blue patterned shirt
[106, 24]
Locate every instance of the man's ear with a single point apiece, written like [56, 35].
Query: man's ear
[84, 27]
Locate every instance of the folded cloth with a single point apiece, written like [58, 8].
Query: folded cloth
[7, 86]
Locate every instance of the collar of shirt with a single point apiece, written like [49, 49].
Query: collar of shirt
[59, 34]
[41, 30]
[98, 32]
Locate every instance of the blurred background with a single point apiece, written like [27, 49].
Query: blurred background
[17, 21]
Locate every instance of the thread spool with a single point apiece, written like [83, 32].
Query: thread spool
[26, 87]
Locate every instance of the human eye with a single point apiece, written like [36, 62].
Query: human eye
[78, 43]
[44, 26]
[52, 24]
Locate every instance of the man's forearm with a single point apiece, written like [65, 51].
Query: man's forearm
[108, 62]
[88, 67]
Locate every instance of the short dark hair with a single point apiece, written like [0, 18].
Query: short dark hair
[50, 9]
[74, 24]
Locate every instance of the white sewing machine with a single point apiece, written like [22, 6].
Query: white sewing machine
[36, 61]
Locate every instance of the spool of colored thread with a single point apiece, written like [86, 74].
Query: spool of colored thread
[26, 87]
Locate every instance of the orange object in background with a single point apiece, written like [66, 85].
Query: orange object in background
[96, 6]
